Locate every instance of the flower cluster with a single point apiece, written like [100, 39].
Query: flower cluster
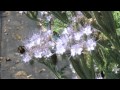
[44, 45]
[39, 45]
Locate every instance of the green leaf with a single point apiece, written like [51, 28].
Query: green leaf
[61, 16]
[54, 59]
[87, 14]
[78, 68]
[87, 71]
[32, 15]
[118, 31]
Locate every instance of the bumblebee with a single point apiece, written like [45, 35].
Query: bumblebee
[21, 49]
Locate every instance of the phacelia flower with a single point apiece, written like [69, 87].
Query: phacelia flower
[60, 49]
[116, 69]
[76, 50]
[87, 30]
[27, 57]
[90, 44]
[44, 44]
[78, 35]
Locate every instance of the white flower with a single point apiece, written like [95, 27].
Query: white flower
[29, 45]
[47, 34]
[90, 44]
[27, 57]
[78, 35]
[49, 18]
[60, 49]
[64, 39]
[33, 41]
[67, 31]
[37, 54]
[51, 44]
[79, 50]
[47, 53]
[76, 50]
[116, 69]
[34, 37]
[87, 30]
[98, 76]
[73, 52]
[61, 44]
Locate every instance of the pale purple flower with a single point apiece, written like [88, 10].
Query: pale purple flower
[76, 50]
[87, 30]
[78, 35]
[64, 39]
[37, 54]
[99, 77]
[65, 31]
[60, 49]
[49, 18]
[33, 41]
[116, 69]
[62, 44]
[59, 42]
[79, 51]
[51, 44]
[29, 45]
[73, 52]
[47, 34]
[47, 53]
[27, 57]
[34, 37]
[90, 44]
[68, 31]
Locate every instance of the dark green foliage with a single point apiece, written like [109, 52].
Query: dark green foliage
[61, 16]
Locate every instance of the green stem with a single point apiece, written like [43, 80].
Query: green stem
[52, 69]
